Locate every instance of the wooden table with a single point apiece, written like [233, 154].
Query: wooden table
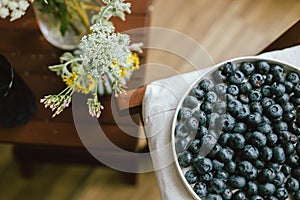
[55, 139]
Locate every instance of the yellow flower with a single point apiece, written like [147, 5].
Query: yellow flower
[114, 64]
[134, 60]
[124, 71]
[69, 80]
[86, 85]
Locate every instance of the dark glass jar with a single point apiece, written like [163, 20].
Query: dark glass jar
[17, 102]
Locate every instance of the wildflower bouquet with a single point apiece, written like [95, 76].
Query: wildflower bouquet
[103, 58]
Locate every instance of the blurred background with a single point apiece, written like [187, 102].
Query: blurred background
[224, 28]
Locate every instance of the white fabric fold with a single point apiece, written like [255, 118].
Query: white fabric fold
[159, 105]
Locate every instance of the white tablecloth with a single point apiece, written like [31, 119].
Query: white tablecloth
[159, 106]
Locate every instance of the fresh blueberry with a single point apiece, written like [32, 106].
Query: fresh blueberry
[208, 143]
[288, 107]
[214, 152]
[220, 107]
[239, 195]
[281, 193]
[246, 169]
[283, 99]
[269, 79]
[266, 102]
[254, 119]
[217, 165]
[255, 95]
[245, 87]
[200, 189]
[258, 139]
[237, 77]
[289, 86]
[293, 160]
[274, 111]
[244, 112]
[250, 152]
[192, 124]
[226, 122]
[247, 68]
[278, 155]
[251, 188]
[185, 159]
[233, 90]
[203, 165]
[211, 97]
[200, 116]
[292, 184]
[262, 67]
[266, 154]
[278, 73]
[240, 127]
[288, 117]
[198, 93]
[234, 107]
[278, 89]
[191, 176]
[281, 126]
[223, 139]
[201, 132]
[222, 174]
[227, 194]
[180, 145]
[256, 106]
[180, 131]
[271, 139]
[206, 85]
[236, 141]
[226, 154]
[256, 80]
[266, 189]
[205, 177]
[279, 179]
[266, 91]
[286, 169]
[230, 167]
[258, 164]
[194, 146]
[207, 107]
[265, 129]
[296, 90]
[229, 68]
[221, 89]
[267, 175]
[292, 77]
[184, 113]
[237, 182]
[217, 185]
[218, 76]
[190, 102]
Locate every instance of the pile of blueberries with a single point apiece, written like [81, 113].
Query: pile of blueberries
[237, 133]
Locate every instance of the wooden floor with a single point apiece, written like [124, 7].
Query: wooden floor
[224, 28]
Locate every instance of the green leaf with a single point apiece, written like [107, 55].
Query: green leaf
[64, 21]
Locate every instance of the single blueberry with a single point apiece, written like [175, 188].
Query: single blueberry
[267, 175]
[200, 189]
[200, 116]
[221, 89]
[250, 152]
[274, 111]
[185, 159]
[256, 80]
[279, 179]
[194, 146]
[180, 131]
[278, 89]
[288, 86]
[207, 107]
[198, 93]
[211, 97]
[292, 184]
[239, 195]
[191, 176]
[255, 95]
[206, 85]
[281, 193]
[262, 67]
[190, 102]
[180, 145]
[251, 188]
[227, 194]
[233, 90]
[229, 68]
[192, 124]
[245, 87]
[266, 102]
[225, 154]
[237, 182]
[266, 91]
[237, 77]
[278, 155]
[266, 189]
[266, 154]
[292, 77]
[217, 185]
[247, 68]
[184, 113]
[283, 99]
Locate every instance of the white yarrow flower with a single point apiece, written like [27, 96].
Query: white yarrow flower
[4, 12]
[13, 8]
